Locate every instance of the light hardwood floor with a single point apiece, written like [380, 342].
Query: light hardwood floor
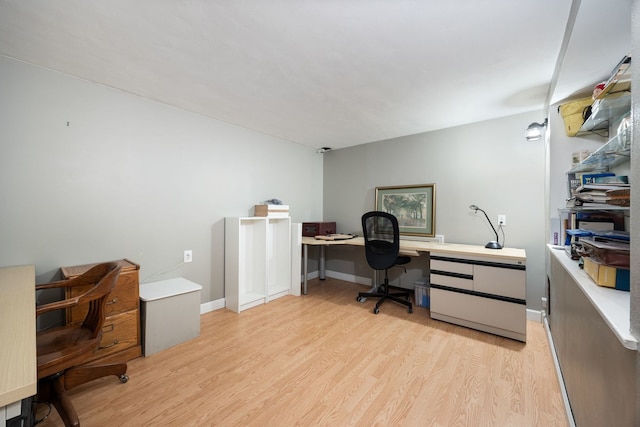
[325, 359]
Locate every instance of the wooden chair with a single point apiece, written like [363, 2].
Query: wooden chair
[63, 351]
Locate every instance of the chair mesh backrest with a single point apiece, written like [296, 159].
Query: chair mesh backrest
[381, 239]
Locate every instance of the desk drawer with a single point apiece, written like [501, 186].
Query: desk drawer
[451, 282]
[482, 312]
[118, 333]
[451, 267]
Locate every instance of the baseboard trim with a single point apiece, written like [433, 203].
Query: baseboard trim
[348, 277]
[212, 306]
[535, 315]
[556, 362]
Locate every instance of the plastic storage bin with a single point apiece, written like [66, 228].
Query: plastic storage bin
[422, 293]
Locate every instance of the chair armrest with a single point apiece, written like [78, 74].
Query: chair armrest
[56, 305]
[53, 285]
[69, 283]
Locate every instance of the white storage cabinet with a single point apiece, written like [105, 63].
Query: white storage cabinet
[258, 261]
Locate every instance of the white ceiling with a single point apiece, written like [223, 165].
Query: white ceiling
[330, 73]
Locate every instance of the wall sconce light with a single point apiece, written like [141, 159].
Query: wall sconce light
[535, 131]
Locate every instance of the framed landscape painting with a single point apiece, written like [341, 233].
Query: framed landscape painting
[413, 205]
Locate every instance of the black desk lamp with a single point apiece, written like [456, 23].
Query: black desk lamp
[494, 244]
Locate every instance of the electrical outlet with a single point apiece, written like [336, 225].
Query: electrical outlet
[502, 220]
[188, 256]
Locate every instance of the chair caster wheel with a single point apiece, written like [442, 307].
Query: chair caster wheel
[410, 310]
[361, 299]
[376, 310]
[124, 378]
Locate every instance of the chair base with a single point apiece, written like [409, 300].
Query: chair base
[54, 388]
[403, 297]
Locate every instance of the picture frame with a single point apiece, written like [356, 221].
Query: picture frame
[413, 205]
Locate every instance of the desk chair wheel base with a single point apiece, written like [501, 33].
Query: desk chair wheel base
[376, 310]
[381, 234]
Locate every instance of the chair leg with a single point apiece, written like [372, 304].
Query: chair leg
[83, 374]
[58, 396]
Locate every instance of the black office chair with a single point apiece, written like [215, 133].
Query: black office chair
[382, 248]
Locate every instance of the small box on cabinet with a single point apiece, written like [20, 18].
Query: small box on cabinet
[312, 229]
[607, 276]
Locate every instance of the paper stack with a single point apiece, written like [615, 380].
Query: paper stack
[605, 194]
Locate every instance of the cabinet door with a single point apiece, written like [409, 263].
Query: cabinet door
[500, 281]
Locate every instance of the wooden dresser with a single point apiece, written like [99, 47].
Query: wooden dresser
[121, 331]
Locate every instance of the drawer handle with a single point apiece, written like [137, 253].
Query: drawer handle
[109, 345]
[113, 301]
[108, 328]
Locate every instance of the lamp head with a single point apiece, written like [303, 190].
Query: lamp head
[474, 207]
[535, 131]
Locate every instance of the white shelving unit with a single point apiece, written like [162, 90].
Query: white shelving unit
[258, 261]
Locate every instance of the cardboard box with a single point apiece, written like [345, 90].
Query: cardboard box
[607, 276]
[312, 229]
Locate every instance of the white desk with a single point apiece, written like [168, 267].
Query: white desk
[18, 364]
[510, 254]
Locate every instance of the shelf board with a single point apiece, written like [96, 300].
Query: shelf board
[614, 105]
[614, 152]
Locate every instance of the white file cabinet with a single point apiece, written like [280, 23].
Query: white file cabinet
[480, 293]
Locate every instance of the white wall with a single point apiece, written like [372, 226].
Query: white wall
[89, 174]
[488, 164]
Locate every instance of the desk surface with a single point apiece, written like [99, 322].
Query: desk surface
[18, 364]
[422, 246]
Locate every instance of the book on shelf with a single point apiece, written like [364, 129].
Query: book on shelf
[579, 179]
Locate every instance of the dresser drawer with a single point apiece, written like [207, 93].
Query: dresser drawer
[118, 333]
[124, 297]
